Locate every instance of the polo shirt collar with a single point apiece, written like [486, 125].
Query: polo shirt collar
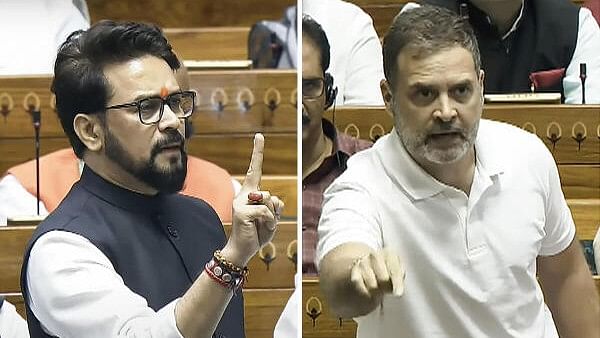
[488, 151]
[404, 171]
[418, 184]
[117, 196]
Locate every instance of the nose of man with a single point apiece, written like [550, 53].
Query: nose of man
[445, 110]
[169, 119]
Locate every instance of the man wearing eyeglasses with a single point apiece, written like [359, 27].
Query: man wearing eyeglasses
[324, 150]
[123, 255]
[60, 169]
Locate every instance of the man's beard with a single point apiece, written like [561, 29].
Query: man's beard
[421, 142]
[169, 180]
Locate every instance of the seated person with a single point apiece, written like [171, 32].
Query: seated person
[521, 37]
[60, 169]
[12, 325]
[596, 246]
[324, 150]
[33, 30]
[355, 50]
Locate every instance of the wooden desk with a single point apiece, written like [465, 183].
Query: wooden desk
[182, 13]
[262, 309]
[279, 273]
[326, 325]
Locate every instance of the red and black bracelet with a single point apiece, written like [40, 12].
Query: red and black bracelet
[226, 273]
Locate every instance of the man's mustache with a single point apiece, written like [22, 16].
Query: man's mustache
[173, 137]
[447, 128]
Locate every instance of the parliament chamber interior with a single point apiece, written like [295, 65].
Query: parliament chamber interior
[235, 101]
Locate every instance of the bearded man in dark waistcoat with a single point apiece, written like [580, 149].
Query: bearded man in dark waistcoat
[124, 255]
[534, 42]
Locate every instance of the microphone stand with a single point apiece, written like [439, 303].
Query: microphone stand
[582, 76]
[36, 117]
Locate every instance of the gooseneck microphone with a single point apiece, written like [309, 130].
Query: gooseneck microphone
[36, 117]
[582, 77]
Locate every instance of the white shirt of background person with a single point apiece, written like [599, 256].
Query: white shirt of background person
[32, 30]
[356, 57]
[12, 325]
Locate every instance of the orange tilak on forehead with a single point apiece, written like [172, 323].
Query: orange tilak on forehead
[164, 92]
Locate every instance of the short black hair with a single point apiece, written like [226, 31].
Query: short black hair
[428, 29]
[313, 30]
[79, 82]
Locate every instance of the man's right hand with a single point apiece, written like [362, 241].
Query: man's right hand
[378, 273]
[254, 223]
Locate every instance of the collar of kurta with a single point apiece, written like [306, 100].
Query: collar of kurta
[117, 196]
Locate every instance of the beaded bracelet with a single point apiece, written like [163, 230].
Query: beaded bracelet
[226, 273]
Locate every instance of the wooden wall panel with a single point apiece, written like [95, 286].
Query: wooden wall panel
[262, 309]
[285, 187]
[182, 13]
[279, 274]
[565, 121]
[580, 181]
[231, 88]
[280, 271]
[209, 43]
[586, 214]
[327, 325]
[231, 152]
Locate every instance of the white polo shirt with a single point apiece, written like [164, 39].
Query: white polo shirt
[470, 261]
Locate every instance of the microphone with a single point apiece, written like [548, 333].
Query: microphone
[582, 76]
[36, 116]
[463, 11]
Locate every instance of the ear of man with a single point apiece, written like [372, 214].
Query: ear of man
[388, 98]
[90, 131]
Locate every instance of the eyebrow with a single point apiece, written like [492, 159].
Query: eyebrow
[419, 84]
[147, 96]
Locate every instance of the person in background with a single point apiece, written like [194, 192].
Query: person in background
[546, 40]
[12, 325]
[355, 50]
[324, 150]
[31, 32]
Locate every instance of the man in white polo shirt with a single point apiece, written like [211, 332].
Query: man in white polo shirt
[441, 228]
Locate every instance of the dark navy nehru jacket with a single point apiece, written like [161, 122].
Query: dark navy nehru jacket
[158, 244]
[545, 39]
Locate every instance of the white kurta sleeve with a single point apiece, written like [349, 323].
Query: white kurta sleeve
[76, 292]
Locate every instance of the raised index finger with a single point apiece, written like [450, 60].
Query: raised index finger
[254, 173]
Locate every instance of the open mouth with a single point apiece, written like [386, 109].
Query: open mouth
[172, 148]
